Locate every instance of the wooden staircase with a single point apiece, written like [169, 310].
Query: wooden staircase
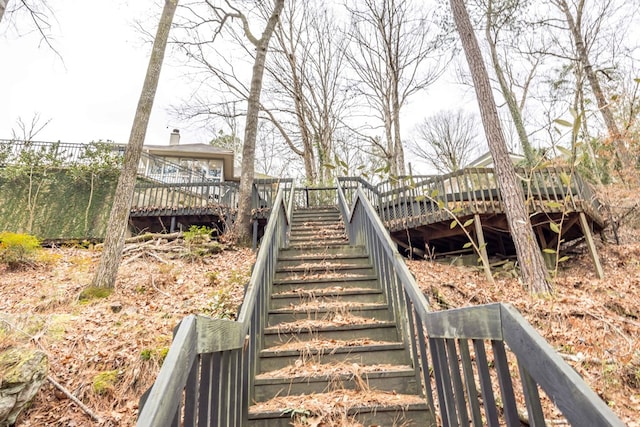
[331, 351]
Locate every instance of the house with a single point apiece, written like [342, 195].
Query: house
[178, 162]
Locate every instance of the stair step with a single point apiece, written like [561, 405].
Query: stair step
[376, 331]
[328, 295]
[274, 358]
[328, 311]
[312, 263]
[319, 379]
[363, 281]
[336, 270]
[326, 253]
[343, 408]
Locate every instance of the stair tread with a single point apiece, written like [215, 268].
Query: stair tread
[335, 291]
[328, 306]
[317, 346]
[341, 278]
[352, 401]
[322, 372]
[321, 266]
[317, 326]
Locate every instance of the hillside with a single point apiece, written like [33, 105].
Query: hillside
[106, 352]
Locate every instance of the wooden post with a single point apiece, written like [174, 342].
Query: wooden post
[172, 228]
[255, 234]
[591, 244]
[483, 247]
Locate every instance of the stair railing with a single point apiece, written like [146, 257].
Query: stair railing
[207, 376]
[464, 354]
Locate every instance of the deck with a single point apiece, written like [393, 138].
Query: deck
[418, 211]
[158, 206]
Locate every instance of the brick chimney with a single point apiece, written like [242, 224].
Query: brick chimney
[174, 139]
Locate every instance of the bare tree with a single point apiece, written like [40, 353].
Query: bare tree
[242, 224]
[307, 91]
[446, 140]
[574, 20]
[501, 16]
[203, 24]
[529, 255]
[36, 11]
[105, 276]
[396, 53]
[3, 7]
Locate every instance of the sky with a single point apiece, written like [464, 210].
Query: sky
[90, 90]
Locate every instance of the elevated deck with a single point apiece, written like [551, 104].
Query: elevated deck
[158, 206]
[418, 211]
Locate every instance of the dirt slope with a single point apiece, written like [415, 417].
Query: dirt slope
[107, 351]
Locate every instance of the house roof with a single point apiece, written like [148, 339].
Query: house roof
[197, 151]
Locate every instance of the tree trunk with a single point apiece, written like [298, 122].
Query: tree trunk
[532, 266]
[107, 271]
[614, 133]
[398, 149]
[242, 223]
[3, 7]
[508, 95]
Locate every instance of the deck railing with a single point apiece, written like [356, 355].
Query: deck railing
[206, 378]
[417, 200]
[466, 354]
[155, 198]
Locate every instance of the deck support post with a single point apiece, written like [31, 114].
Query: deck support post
[584, 224]
[172, 227]
[482, 245]
[255, 234]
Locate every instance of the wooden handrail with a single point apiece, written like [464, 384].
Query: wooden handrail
[194, 386]
[443, 346]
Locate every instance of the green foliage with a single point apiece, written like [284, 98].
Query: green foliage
[156, 354]
[221, 306]
[18, 250]
[105, 382]
[197, 234]
[97, 159]
[94, 292]
[62, 209]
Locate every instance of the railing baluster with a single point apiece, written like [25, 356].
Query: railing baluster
[443, 382]
[424, 359]
[506, 387]
[204, 396]
[458, 391]
[470, 383]
[191, 394]
[532, 398]
[488, 399]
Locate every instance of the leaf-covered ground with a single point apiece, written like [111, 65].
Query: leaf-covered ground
[106, 352]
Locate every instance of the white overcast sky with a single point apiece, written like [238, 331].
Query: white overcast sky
[92, 92]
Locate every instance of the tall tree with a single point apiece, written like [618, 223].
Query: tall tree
[532, 266]
[3, 7]
[574, 23]
[243, 220]
[500, 15]
[447, 140]
[307, 90]
[396, 53]
[105, 276]
[201, 24]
